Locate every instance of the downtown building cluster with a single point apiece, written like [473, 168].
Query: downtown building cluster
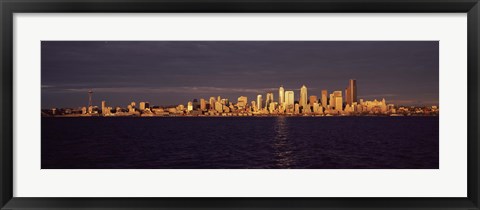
[326, 104]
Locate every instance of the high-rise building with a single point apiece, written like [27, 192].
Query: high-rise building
[281, 95]
[219, 106]
[324, 98]
[242, 102]
[203, 104]
[289, 98]
[268, 100]
[254, 106]
[303, 96]
[312, 99]
[272, 107]
[351, 92]
[338, 100]
[104, 106]
[259, 102]
[212, 102]
[331, 101]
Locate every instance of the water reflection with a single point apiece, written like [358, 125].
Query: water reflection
[282, 146]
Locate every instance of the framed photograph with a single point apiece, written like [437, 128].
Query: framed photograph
[239, 105]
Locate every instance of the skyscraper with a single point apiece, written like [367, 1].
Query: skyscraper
[242, 102]
[312, 99]
[351, 92]
[219, 107]
[324, 98]
[331, 101]
[211, 101]
[303, 96]
[268, 100]
[289, 98]
[104, 105]
[259, 102]
[281, 95]
[203, 104]
[338, 100]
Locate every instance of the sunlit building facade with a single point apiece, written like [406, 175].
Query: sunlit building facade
[324, 98]
[259, 102]
[268, 99]
[351, 92]
[281, 95]
[312, 99]
[303, 96]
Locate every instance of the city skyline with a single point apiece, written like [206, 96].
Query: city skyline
[170, 73]
[338, 104]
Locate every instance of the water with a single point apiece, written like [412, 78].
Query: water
[240, 143]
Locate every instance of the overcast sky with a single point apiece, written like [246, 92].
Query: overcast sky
[167, 73]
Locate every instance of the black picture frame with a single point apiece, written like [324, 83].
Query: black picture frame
[9, 7]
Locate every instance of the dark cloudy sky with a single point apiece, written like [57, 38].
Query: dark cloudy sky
[166, 73]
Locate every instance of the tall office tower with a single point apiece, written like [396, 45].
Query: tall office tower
[104, 105]
[212, 102]
[324, 98]
[203, 104]
[142, 106]
[331, 101]
[254, 106]
[312, 99]
[133, 104]
[303, 96]
[268, 100]
[242, 102]
[347, 95]
[219, 106]
[338, 103]
[351, 92]
[218, 98]
[289, 98]
[338, 100]
[259, 102]
[272, 106]
[281, 95]
[316, 107]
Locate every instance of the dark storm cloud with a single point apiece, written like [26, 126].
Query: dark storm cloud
[167, 73]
